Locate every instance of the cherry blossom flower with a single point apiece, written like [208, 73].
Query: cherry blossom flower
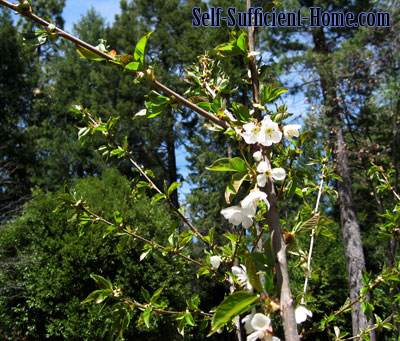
[291, 130]
[269, 132]
[257, 156]
[215, 261]
[249, 203]
[236, 215]
[261, 326]
[266, 172]
[301, 314]
[251, 133]
[241, 274]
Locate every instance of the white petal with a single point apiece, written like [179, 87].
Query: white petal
[276, 136]
[253, 198]
[215, 261]
[260, 322]
[252, 336]
[278, 174]
[249, 211]
[247, 222]
[263, 167]
[301, 314]
[261, 180]
[257, 156]
[141, 112]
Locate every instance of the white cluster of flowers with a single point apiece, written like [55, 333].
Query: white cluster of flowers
[244, 213]
[266, 133]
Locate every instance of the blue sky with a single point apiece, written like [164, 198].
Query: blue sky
[74, 9]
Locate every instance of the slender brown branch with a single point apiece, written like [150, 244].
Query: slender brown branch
[180, 99]
[368, 330]
[162, 311]
[183, 101]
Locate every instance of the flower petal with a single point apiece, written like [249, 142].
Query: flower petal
[278, 173]
[260, 322]
[301, 314]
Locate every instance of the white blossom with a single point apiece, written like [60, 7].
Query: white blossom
[269, 132]
[249, 203]
[257, 156]
[266, 172]
[291, 130]
[261, 325]
[247, 322]
[241, 274]
[251, 133]
[215, 261]
[301, 314]
[236, 215]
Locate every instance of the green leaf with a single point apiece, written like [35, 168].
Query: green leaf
[252, 274]
[228, 165]
[140, 47]
[242, 42]
[146, 295]
[227, 50]
[146, 316]
[173, 187]
[156, 295]
[232, 306]
[157, 197]
[189, 319]
[133, 66]
[98, 296]
[155, 103]
[268, 94]
[240, 111]
[102, 282]
[86, 54]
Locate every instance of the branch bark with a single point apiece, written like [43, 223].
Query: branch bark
[278, 244]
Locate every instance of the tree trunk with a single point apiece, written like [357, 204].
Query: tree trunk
[350, 227]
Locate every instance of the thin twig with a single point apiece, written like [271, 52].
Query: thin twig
[162, 311]
[153, 244]
[308, 273]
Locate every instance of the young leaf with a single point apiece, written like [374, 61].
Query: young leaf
[232, 306]
[242, 42]
[86, 54]
[157, 197]
[146, 316]
[252, 274]
[102, 282]
[140, 47]
[228, 165]
[173, 187]
[156, 295]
